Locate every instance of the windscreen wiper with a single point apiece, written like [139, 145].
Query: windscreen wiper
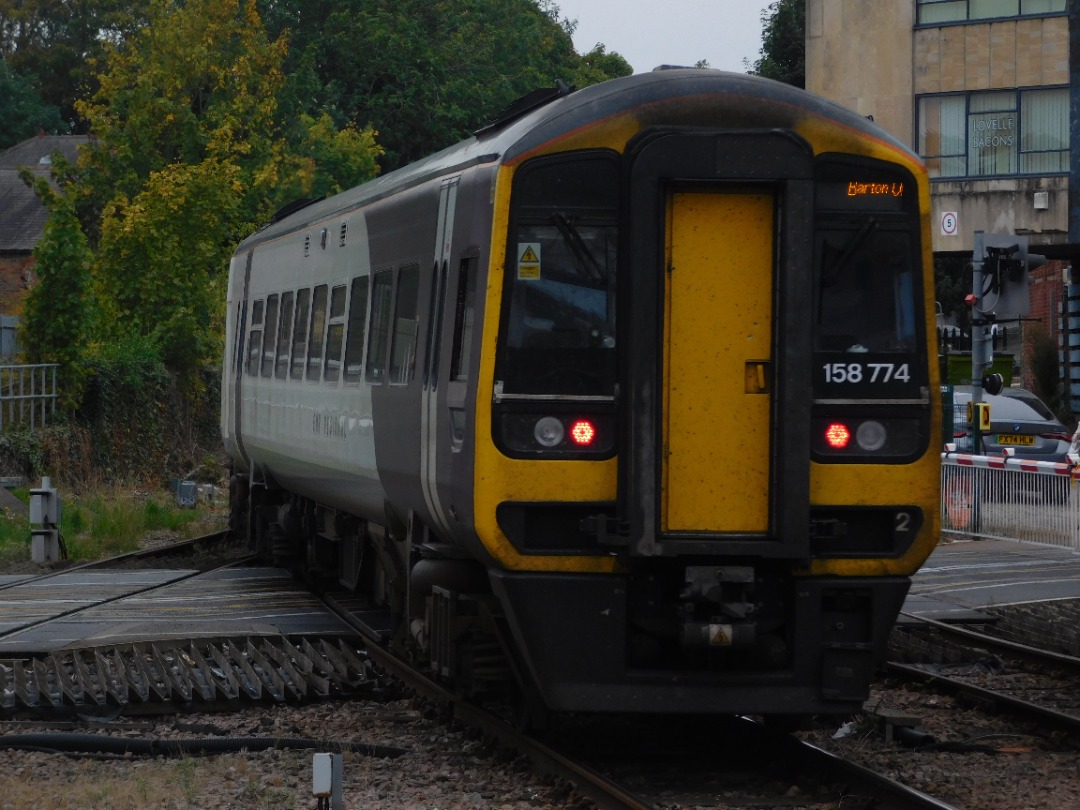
[579, 248]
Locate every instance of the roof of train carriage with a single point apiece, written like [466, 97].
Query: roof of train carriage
[668, 97]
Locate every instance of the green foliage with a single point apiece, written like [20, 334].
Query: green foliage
[190, 155]
[339, 158]
[161, 257]
[57, 316]
[135, 425]
[54, 45]
[598, 65]
[424, 73]
[23, 113]
[100, 526]
[783, 43]
[103, 524]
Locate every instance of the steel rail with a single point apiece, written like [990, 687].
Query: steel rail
[985, 640]
[1068, 723]
[893, 795]
[604, 793]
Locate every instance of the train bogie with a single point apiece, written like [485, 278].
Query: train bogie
[628, 396]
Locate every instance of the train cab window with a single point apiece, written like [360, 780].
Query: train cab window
[403, 344]
[270, 337]
[335, 334]
[558, 332]
[867, 260]
[382, 300]
[317, 333]
[464, 316]
[281, 370]
[354, 340]
[300, 334]
[255, 338]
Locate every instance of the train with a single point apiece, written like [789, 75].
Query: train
[625, 404]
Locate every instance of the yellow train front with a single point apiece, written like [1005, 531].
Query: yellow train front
[706, 446]
[628, 398]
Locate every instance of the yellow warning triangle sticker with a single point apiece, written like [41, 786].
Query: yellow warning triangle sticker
[529, 255]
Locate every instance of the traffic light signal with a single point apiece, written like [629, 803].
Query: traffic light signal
[1010, 265]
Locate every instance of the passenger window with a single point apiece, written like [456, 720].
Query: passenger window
[335, 334]
[255, 338]
[403, 347]
[269, 337]
[300, 333]
[381, 301]
[281, 370]
[464, 315]
[354, 341]
[317, 333]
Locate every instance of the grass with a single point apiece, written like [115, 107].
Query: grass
[107, 523]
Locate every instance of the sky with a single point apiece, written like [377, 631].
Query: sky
[678, 32]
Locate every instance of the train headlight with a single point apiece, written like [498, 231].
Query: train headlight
[871, 435]
[548, 431]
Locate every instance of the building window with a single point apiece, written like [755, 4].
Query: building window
[933, 12]
[995, 133]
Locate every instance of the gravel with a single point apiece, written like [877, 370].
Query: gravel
[443, 768]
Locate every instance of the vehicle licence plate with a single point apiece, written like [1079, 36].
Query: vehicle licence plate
[1009, 438]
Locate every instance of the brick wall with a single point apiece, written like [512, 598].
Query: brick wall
[1047, 291]
[16, 273]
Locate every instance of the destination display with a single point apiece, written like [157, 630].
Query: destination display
[848, 188]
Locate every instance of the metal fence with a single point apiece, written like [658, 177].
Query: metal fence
[1009, 499]
[27, 395]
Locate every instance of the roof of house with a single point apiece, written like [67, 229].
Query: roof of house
[22, 216]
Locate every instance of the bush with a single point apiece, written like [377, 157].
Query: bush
[134, 426]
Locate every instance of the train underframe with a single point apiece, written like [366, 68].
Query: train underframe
[669, 635]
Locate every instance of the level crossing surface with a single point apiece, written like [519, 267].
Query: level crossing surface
[962, 577]
[225, 603]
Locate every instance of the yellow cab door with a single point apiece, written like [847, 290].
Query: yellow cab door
[718, 365]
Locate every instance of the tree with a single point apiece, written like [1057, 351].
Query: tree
[54, 45]
[57, 319]
[189, 156]
[22, 112]
[783, 43]
[424, 73]
[598, 65]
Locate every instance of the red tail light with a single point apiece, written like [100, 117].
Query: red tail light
[1065, 437]
[838, 435]
[583, 432]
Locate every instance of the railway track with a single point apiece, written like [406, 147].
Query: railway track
[1034, 684]
[640, 773]
[646, 767]
[151, 631]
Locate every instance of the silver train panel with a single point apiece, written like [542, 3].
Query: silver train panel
[314, 438]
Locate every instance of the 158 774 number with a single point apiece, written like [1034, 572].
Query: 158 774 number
[866, 372]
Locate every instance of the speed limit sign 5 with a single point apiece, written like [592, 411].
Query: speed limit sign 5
[948, 223]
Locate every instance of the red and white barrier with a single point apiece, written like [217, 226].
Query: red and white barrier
[1006, 463]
